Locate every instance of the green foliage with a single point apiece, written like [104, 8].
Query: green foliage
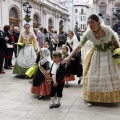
[27, 19]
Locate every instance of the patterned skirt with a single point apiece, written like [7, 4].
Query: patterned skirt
[44, 89]
[101, 78]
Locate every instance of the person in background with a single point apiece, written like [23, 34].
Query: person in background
[9, 50]
[78, 36]
[40, 43]
[68, 76]
[76, 66]
[46, 35]
[41, 36]
[16, 38]
[12, 49]
[62, 39]
[55, 40]
[51, 46]
[45, 45]
[3, 47]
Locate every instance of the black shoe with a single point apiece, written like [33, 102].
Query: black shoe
[66, 85]
[79, 81]
[51, 106]
[31, 82]
[7, 68]
[56, 105]
[40, 97]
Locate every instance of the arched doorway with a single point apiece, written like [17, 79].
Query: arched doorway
[50, 24]
[36, 23]
[13, 17]
[61, 25]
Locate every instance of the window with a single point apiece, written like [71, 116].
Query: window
[82, 11]
[102, 8]
[81, 26]
[81, 18]
[85, 18]
[76, 10]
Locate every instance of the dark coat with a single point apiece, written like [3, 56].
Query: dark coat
[16, 37]
[9, 36]
[60, 74]
[62, 39]
[2, 41]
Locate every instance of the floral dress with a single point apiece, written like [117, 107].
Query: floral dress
[101, 76]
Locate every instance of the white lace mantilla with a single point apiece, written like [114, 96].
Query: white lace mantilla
[26, 57]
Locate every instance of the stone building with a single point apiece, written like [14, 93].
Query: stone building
[82, 11]
[106, 7]
[45, 13]
[69, 5]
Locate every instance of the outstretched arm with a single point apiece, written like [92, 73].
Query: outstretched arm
[75, 50]
[78, 47]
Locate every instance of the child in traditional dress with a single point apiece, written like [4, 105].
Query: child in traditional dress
[69, 76]
[40, 85]
[57, 84]
[46, 45]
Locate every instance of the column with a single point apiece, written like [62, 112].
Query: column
[41, 17]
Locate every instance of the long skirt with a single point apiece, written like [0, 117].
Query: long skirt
[26, 58]
[43, 89]
[101, 78]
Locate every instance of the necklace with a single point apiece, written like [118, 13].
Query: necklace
[96, 32]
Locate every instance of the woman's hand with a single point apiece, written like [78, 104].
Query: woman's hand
[55, 84]
[6, 38]
[72, 59]
[66, 60]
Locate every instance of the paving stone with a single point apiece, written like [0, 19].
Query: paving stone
[17, 103]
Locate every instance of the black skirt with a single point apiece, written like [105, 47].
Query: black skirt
[75, 66]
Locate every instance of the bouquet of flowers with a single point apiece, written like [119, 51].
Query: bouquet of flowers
[116, 55]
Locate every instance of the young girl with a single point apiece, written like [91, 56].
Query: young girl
[69, 76]
[40, 85]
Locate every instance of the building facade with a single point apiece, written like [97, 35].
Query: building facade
[69, 5]
[82, 11]
[106, 8]
[45, 13]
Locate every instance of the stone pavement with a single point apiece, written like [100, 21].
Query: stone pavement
[17, 103]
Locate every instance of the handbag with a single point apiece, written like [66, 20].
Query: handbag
[9, 45]
[31, 71]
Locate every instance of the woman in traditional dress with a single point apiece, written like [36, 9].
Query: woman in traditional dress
[101, 75]
[76, 66]
[40, 86]
[27, 54]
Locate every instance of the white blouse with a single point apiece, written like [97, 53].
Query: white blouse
[54, 70]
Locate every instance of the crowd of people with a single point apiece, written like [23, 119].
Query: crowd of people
[55, 68]
[8, 37]
[40, 47]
